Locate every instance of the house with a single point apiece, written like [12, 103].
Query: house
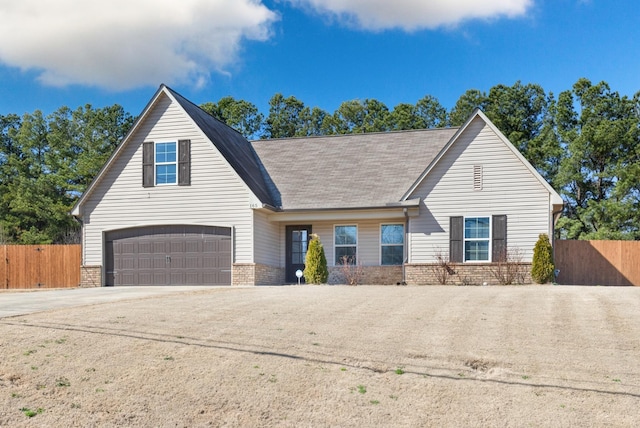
[184, 199]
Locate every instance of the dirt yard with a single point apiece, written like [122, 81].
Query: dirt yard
[321, 356]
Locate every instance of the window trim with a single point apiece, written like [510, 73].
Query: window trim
[335, 262]
[489, 239]
[393, 245]
[156, 163]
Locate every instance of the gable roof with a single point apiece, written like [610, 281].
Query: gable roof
[231, 144]
[348, 171]
[372, 170]
[555, 198]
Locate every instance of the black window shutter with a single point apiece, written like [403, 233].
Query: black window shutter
[147, 164]
[499, 238]
[184, 162]
[456, 239]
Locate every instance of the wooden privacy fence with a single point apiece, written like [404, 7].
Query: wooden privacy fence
[598, 262]
[40, 266]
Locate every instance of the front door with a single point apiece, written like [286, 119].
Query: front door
[298, 238]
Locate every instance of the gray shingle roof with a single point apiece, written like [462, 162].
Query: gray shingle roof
[347, 171]
[232, 145]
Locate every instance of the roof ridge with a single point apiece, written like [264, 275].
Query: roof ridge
[357, 134]
[177, 95]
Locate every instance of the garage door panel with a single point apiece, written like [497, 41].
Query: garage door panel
[192, 246]
[176, 255]
[144, 247]
[144, 278]
[126, 263]
[192, 262]
[177, 278]
[176, 246]
[176, 262]
[144, 262]
[193, 278]
[159, 261]
[129, 277]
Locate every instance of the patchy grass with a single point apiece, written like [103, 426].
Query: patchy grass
[31, 413]
[63, 382]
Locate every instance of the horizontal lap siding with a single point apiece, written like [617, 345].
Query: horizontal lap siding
[368, 239]
[508, 188]
[267, 242]
[216, 196]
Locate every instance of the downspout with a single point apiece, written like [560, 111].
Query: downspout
[406, 245]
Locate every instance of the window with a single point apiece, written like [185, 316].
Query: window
[345, 243]
[391, 244]
[477, 235]
[474, 239]
[299, 244]
[166, 163]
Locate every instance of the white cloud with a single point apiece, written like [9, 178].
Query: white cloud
[412, 15]
[121, 44]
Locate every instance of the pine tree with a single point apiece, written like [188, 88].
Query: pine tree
[542, 268]
[315, 271]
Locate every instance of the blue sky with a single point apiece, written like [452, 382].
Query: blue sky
[324, 52]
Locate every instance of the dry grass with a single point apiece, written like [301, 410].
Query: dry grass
[330, 356]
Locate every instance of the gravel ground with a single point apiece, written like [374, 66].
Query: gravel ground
[334, 356]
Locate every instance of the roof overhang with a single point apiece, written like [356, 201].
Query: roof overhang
[76, 211]
[391, 211]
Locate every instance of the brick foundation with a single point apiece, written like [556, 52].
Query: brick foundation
[371, 275]
[269, 275]
[465, 274]
[90, 276]
[256, 274]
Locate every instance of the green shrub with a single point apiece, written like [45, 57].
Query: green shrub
[542, 267]
[315, 270]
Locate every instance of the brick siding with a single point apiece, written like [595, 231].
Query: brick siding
[256, 274]
[462, 274]
[90, 276]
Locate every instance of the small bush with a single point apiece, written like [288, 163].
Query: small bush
[352, 270]
[542, 267]
[315, 270]
[511, 270]
[441, 269]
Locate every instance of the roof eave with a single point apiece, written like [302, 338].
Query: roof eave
[388, 206]
[396, 210]
[555, 197]
[77, 208]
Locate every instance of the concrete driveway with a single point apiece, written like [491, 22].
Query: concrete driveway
[22, 302]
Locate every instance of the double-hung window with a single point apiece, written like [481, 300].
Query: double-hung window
[477, 238]
[391, 244]
[345, 244]
[166, 163]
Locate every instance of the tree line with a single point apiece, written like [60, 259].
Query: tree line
[584, 142]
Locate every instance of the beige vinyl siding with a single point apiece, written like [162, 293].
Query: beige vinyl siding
[269, 247]
[508, 187]
[368, 245]
[216, 196]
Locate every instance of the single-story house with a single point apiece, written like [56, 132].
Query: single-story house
[185, 199]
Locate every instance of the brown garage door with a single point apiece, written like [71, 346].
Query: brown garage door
[169, 255]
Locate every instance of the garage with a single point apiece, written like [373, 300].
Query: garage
[168, 255]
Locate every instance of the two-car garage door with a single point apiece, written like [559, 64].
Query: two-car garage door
[169, 255]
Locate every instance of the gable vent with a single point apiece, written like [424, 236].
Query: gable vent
[477, 177]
